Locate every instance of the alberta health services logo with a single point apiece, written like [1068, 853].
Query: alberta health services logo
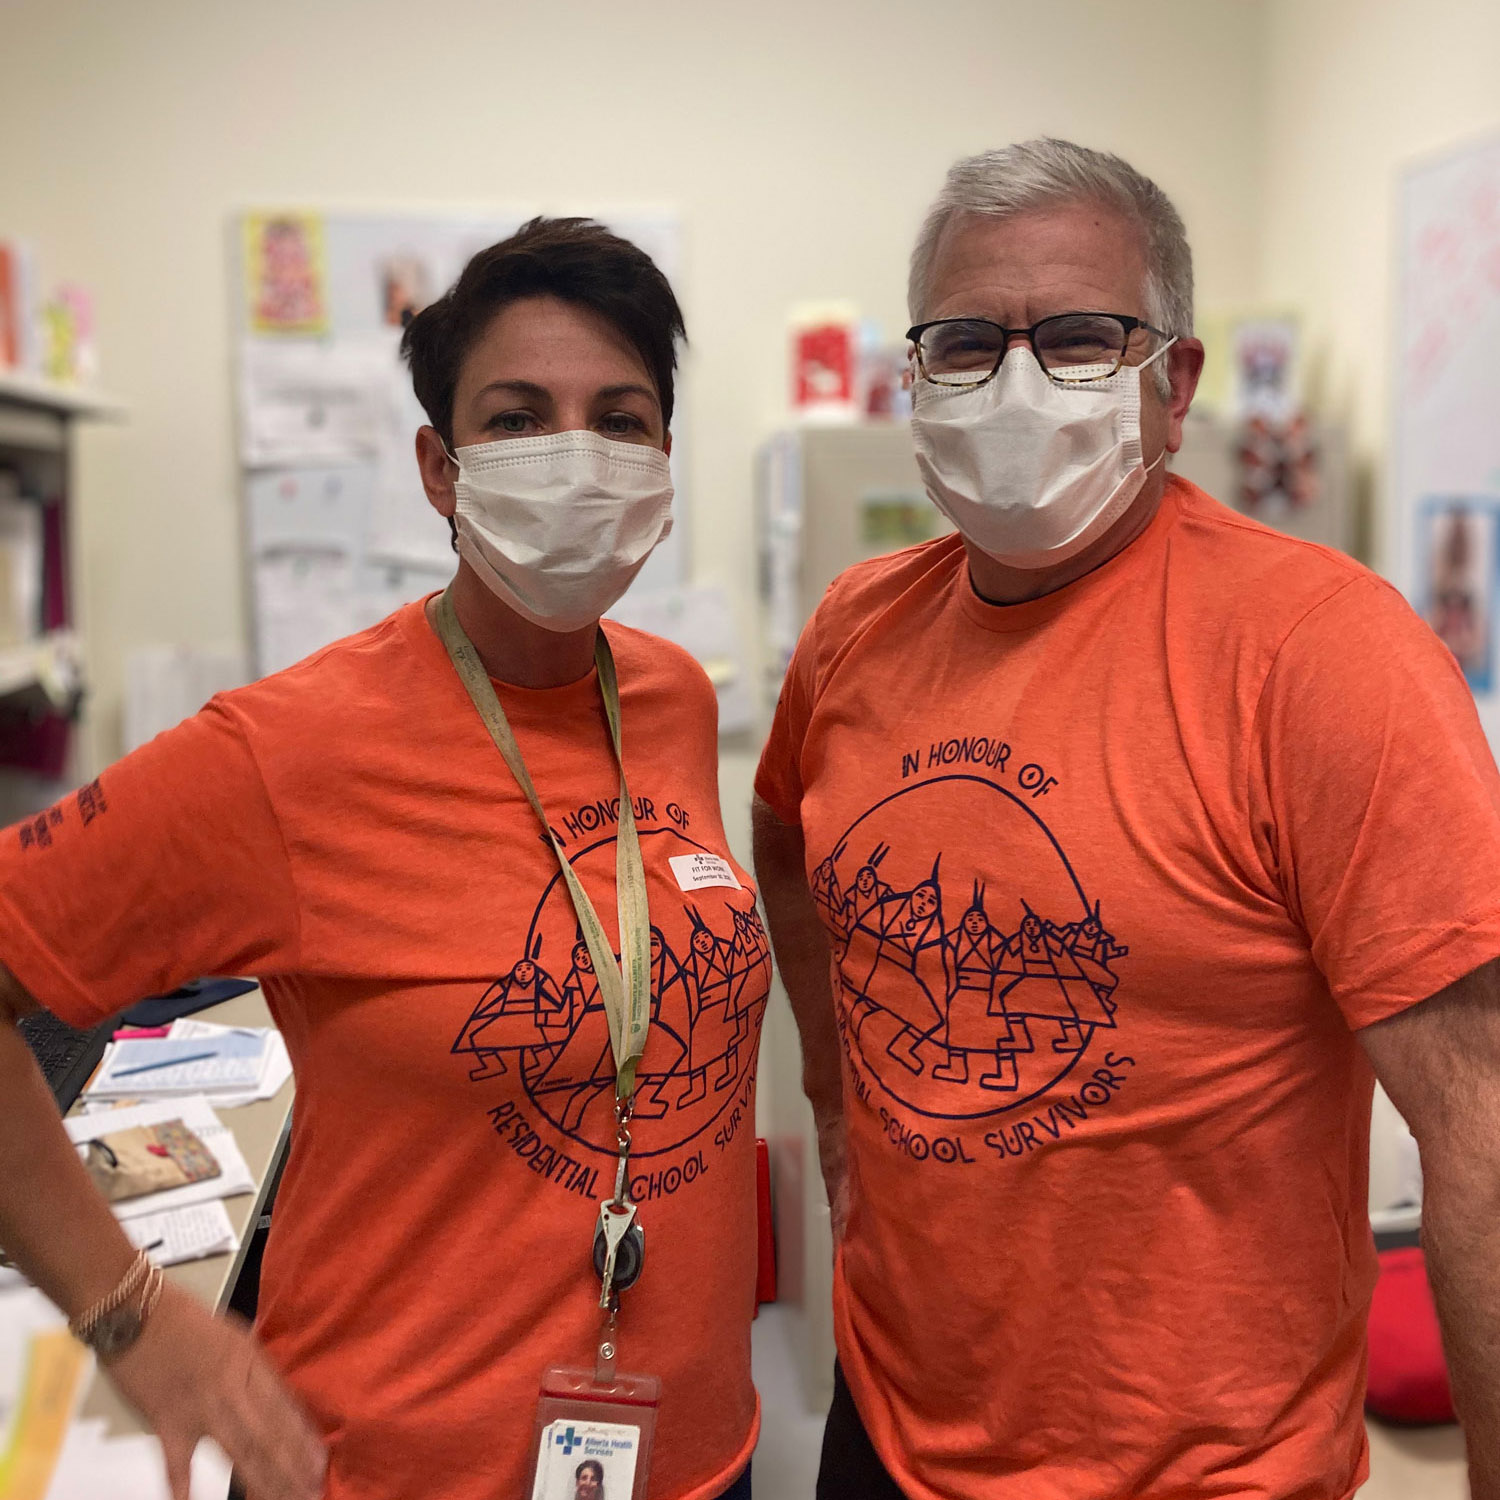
[978, 977]
[542, 1025]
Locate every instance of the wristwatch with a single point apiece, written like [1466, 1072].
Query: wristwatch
[115, 1331]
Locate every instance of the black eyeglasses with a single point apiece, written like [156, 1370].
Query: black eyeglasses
[1071, 347]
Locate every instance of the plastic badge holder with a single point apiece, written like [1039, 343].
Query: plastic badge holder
[583, 1421]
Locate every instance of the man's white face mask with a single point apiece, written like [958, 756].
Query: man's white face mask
[1031, 471]
[558, 526]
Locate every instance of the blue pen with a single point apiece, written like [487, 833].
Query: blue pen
[175, 1062]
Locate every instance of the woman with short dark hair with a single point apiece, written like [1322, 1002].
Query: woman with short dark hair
[472, 854]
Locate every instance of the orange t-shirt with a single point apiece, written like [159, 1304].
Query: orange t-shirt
[347, 831]
[1111, 877]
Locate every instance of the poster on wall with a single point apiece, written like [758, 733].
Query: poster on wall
[285, 277]
[1456, 597]
[1440, 534]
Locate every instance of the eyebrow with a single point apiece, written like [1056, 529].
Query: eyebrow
[613, 392]
[534, 392]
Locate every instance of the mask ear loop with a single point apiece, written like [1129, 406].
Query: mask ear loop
[1146, 364]
[453, 459]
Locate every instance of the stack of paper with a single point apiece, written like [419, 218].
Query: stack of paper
[192, 1233]
[186, 1223]
[233, 1064]
[275, 1071]
[183, 1065]
[197, 1114]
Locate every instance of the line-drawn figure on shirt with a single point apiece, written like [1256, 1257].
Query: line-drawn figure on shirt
[671, 995]
[582, 1068]
[962, 1011]
[581, 1064]
[867, 891]
[829, 896]
[1039, 978]
[1094, 949]
[514, 1015]
[905, 973]
[713, 1039]
[710, 970]
[977, 1020]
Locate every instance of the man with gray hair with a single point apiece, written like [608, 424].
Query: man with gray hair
[1185, 831]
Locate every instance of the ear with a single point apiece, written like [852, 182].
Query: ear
[437, 470]
[1184, 366]
[666, 445]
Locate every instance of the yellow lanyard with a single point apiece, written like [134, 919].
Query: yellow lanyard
[627, 995]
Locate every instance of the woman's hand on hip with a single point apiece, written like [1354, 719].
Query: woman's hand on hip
[192, 1375]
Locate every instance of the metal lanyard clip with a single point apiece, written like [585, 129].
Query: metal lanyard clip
[619, 1241]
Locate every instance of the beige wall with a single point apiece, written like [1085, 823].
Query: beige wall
[800, 140]
[1357, 89]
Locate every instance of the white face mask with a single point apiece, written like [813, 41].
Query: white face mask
[559, 525]
[1031, 471]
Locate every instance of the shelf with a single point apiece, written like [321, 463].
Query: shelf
[66, 400]
[50, 664]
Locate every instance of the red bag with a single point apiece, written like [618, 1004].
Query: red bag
[1408, 1375]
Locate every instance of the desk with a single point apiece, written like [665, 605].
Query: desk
[260, 1130]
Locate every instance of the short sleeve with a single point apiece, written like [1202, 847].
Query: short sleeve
[1376, 804]
[169, 866]
[778, 778]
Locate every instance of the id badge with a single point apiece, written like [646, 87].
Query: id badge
[593, 1438]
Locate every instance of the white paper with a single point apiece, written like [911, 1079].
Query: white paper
[696, 872]
[274, 1076]
[327, 508]
[700, 621]
[381, 588]
[192, 1233]
[197, 1114]
[303, 401]
[166, 684]
[94, 1465]
[403, 525]
[303, 601]
[230, 1060]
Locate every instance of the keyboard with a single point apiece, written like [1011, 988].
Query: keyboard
[66, 1056]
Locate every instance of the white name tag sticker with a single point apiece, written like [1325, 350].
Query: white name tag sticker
[696, 872]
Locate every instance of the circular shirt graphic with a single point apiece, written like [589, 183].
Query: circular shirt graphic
[710, 968]
[974, 971]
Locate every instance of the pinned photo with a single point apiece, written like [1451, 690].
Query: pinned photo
[1458, 583]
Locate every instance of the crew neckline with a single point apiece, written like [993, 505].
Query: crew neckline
[1006, 619]
[583, 689]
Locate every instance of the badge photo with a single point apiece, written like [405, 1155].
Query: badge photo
[587, 1461]
[593, 1435]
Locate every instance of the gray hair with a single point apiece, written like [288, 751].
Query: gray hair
[1044, 172]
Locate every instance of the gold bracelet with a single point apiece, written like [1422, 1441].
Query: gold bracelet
[111, 1326]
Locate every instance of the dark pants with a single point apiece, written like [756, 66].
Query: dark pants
[739, 1490]
[850, 1468]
